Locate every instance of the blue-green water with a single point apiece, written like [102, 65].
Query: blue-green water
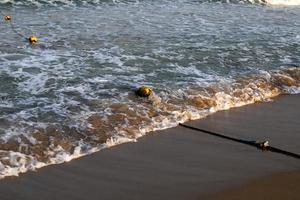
[73, 92]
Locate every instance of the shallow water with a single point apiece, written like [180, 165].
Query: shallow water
[72, 93]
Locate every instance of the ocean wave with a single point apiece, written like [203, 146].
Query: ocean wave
[284, 2]
[58, 3]
[72, 3]
[119, 122]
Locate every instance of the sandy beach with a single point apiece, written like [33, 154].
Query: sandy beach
[180, 163]
[283, 185]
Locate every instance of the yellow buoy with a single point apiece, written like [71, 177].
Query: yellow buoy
[7, 18]
[144, 91]
[33, 39]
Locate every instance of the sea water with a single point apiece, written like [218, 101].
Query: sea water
[72, 93]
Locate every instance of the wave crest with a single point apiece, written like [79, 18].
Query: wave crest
[284, 2]
[58, 3]
[120, 122]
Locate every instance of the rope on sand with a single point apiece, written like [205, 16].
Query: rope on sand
[264, 146]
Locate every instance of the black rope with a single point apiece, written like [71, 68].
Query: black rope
[13, 27]
[260, 145]
[15, 30]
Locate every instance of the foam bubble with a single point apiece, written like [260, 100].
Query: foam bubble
[126, 122]
[284, 2]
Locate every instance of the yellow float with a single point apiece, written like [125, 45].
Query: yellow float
[33, 39]
[7, 18]
[144, 91]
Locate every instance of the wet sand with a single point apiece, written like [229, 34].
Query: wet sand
[277, 186]
[179, 163]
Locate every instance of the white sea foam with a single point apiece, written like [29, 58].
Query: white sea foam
[20, 162]
[72, 93]
[284, 2]
[59, 3]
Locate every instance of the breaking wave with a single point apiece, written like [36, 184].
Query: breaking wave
[284, 2]
[56, 3]
[125, 122]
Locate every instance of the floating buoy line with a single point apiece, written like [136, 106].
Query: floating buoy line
[143, 91]
[9, 19]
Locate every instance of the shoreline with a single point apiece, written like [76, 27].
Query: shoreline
[175, 163]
